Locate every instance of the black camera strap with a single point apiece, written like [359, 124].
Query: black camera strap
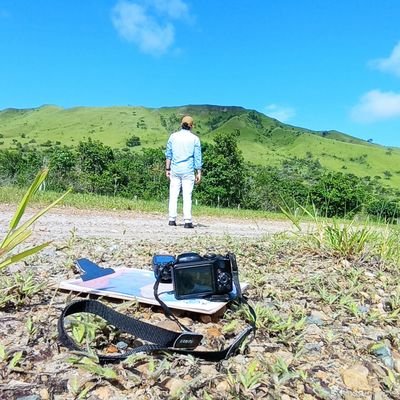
[167, 311]
[161, 340]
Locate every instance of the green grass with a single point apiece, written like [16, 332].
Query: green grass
[8, 195]
[262, 140]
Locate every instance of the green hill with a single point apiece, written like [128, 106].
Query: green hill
[263, 140]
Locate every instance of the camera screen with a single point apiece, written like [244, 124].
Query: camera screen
[196, 280]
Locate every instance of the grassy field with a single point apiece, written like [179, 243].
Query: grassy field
[262, 140]
[11, 195]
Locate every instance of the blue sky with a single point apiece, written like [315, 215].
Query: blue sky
[318, 64]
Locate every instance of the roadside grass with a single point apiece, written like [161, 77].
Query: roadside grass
[9, 194]
[296, 215]
[356, 238]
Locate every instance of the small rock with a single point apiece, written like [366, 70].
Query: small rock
[383, 353]
[102, 393]
[310, 347]
[374, 333]
[313, 330]
[30, 397]
[322, 375]
[256, 349]
[143, 368]
[186, 321]
[363, 308]
[44, 394]
[346, 263]
[241, 359]
[223, 387]
[396, 365]
[286, 356]
[113, 248]
[356, 377]
[396, 360]
[173, 385]
[379, 396]
[158, 317]
[214, 332]
[317, 317]
[205, 319]
[208, 370]
[122, 345]
[168, 324]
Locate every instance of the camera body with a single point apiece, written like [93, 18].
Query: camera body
[162, 266]
[195, 276]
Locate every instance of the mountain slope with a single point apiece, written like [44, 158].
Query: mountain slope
[263, 140]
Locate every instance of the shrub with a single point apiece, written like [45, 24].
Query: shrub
[133, 141]
[385, 209]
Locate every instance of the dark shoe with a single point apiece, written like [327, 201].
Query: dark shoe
[171, 223]
[188, 225]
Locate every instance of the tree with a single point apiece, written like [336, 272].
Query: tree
[337, 194]
[269, 188]
[94, 157]
[224, 172]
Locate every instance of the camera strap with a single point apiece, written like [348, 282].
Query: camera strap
[160, 339]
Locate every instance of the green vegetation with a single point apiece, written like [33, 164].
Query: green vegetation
[18, 234]
[229, 181]
[250, 161]
[262, 140]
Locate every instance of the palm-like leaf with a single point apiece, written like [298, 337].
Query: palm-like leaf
[17, 235]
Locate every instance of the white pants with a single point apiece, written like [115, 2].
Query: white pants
[186, 182]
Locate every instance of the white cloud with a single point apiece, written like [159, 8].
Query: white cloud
[280, 113]
[148, 24]
[390, 64]
[376, 105]
[173, 8]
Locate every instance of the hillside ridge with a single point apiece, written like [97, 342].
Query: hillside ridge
[263, 140]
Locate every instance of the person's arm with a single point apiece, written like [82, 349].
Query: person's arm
[168, 167]
[168, 157]
[198, 162]
[197, 178]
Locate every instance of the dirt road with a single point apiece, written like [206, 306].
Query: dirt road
[58, 224]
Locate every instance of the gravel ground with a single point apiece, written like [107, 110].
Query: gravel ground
[328, 326]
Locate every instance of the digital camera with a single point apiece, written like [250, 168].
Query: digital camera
[196, 276]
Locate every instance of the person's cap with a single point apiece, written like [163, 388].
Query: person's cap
[188, 120]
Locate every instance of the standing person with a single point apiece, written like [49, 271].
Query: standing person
[183, 169]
